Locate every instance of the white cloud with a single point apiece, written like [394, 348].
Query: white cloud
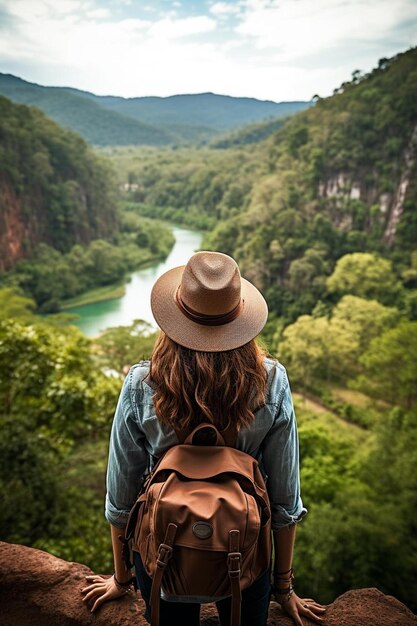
[27, 10]
[127, 57]
[173, 28]
[224, 8]
[272, 50]
[98, 14]
[299, 27]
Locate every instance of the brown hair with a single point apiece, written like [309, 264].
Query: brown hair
[217, 387]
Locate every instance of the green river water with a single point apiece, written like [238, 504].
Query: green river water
[135, 304]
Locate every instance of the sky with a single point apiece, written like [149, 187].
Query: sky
[267, 49]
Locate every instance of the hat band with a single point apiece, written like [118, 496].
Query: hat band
[208, 320]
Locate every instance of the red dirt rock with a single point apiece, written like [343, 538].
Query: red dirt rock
[38, 589]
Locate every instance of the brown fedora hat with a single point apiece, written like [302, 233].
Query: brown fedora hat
[206, 305]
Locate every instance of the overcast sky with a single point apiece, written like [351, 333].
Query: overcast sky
[268, 49]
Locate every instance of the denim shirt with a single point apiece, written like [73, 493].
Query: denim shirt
[138, 439]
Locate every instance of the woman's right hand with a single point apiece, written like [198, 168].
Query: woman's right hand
[297, 607]
[101, 590]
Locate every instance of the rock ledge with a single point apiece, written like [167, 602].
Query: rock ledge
[38, 589]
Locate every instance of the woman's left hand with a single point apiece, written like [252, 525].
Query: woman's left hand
[297, 607]
[102, 589]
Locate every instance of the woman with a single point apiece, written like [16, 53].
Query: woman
[207, 367]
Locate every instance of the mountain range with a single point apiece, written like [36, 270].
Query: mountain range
[113, 120]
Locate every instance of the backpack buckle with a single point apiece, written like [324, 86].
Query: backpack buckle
[164, 554]
[233, 564]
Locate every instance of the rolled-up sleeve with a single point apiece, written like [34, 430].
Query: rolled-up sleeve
[128, 459]
[280, 460]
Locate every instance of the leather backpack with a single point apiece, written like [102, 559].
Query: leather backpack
[202, 522]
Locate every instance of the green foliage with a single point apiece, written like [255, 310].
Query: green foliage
[31, 497]
[122, 346]
[48, 376]
[57, 191]
[365, 275]
[305, 349]
[390, 366]
[50, 277]
[290, 207]
[191, 218]
[14, 304]
[54, 401]
[364, 534]
[319, 186]
[325, 462]
[354, 323]
[329, 348]
[190, 186]
[253, 133]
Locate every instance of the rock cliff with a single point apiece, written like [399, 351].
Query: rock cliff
[38, 589]
[53, 189]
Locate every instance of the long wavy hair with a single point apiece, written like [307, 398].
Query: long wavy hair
[191, 387]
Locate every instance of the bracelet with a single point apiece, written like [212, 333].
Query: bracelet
[125, 586]
[285, 592]
[286, 572]
[286, 597]
[277, 575]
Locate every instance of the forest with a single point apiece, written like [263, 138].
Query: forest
[62, 229]
[321, 214]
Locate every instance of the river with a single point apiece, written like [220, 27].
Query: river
[135, 304]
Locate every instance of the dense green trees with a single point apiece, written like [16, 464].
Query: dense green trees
[13, 304]
[50, 277]
[390, 366]
[55, 404]
[55, 190]
[197, 187]
[365, 275]
[59, 198]
[361, 526]
[122, 346]
[288, 208]
[318, 348]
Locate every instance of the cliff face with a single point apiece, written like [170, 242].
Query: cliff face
[12, 229]
[41, 590]
[343, 188]
[52, 188]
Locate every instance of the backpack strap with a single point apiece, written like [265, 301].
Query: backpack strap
[164, 554]
[234, 559]
[226, 437]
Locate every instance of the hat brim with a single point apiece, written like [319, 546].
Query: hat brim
[196, 336]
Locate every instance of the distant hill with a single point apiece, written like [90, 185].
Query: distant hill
[204, 109]
[253, 133]
[111, 120]
[96, 124]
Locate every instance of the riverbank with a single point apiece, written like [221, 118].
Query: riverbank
[108, 292]
[122, 303]
[100, 294]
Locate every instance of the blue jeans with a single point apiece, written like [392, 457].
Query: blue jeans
[255, 603]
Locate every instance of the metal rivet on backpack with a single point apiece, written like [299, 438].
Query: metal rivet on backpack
[202, 530]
